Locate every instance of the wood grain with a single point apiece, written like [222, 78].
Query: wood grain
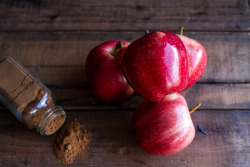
[226, 142]
[58, 58]
[211, 96]
[61, 15]
[53, 38]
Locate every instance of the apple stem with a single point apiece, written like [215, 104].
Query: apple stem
[197, 106]
[181, 30]
[117, 48]
[146, 32]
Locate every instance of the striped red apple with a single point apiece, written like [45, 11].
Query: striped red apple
[164, 127]
[105, 73]
[197, 58]
[156, 65]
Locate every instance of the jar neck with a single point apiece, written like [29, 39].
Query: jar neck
[51, 121]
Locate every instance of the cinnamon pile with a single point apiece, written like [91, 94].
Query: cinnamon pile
[71, 141]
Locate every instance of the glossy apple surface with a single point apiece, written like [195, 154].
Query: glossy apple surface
[105, 73]
[156, 65]
[197, 59]
[163, 127]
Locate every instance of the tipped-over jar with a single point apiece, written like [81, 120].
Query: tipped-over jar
[28, 99]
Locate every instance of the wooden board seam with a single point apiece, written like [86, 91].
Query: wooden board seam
[142, 31]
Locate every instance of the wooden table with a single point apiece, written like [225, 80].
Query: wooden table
[53, 38]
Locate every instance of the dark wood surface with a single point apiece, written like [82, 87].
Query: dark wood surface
[228, 59]
[224, 142]
[42, 15]
[52, 39]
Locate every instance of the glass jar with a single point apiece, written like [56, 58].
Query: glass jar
[28, 99]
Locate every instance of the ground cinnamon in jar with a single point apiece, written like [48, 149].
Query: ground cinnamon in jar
[28, 99]
[72, 140]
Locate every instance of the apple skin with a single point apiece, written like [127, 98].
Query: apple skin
[104, 71]
[163, 127]
[156, 65]
[197, 59]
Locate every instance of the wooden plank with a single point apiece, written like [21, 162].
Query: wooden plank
[59, 57]
[61, 76]
[226, 142]
[211, 96]
[57, 15]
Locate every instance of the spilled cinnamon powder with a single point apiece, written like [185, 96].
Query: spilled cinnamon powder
[71, 141]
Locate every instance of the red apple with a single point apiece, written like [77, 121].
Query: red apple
[156, 65]
[105, 73]
[197, 58]
[163, 127]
